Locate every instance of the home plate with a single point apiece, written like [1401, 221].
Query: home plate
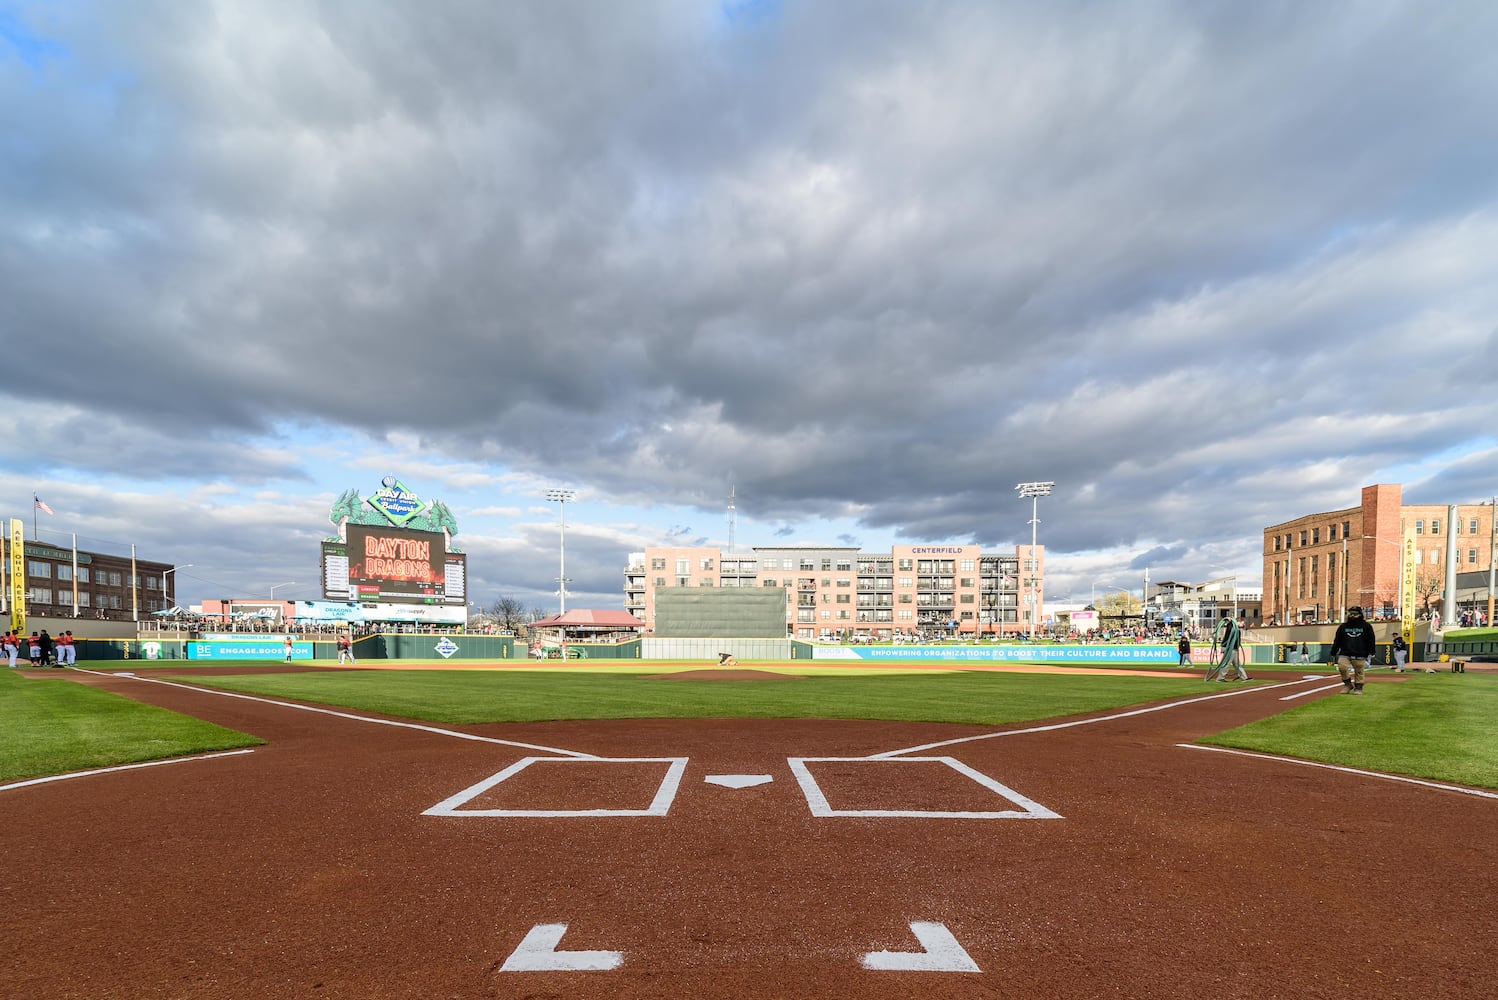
[738, 780]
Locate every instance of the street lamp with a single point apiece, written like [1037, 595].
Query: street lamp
[562, 499]
[1034, 491]
[165, 590]
[288, 583]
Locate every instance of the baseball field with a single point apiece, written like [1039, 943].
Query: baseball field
[772, 830]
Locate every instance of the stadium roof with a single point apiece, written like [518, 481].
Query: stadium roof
[586, 617]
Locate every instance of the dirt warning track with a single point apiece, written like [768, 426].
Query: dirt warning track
[355, 857]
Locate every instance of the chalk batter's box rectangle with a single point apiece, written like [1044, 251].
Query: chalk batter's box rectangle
[660, 803]
[817, 800]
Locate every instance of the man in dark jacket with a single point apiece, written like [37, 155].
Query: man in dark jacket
[1351, 647]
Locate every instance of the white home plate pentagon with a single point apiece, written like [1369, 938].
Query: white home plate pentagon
[572, 786]
[925, 787]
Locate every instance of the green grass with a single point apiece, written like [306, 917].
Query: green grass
[469, 697]
[53, 726]
[1443, 727]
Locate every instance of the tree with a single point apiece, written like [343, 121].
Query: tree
[508, 613]
[1118, 604]
[1428, 584]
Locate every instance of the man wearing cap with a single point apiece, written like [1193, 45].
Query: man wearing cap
[1351, 648]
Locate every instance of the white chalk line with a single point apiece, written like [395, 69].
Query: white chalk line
[1302, 694]
[1085, 722]
[351, 716]
[122, 767]
[1344, 769]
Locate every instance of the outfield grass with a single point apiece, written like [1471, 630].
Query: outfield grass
[52, 726]
[1443, 727]
[470, 697]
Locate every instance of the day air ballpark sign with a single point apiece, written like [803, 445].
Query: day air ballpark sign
[394, 557]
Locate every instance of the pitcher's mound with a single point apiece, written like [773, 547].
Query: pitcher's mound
[724, 674]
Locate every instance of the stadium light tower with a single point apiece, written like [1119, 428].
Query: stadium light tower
[1034, 491]
[562, 498]
[166, 591]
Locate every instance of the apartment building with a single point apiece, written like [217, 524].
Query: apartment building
[1318, 565]
[847, 592]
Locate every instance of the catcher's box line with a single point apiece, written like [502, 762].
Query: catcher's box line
[1345, 770]
[1195, 699]
[123, 767]
[351, 716]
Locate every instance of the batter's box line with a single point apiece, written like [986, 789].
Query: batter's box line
[665, 794]
[817, 801]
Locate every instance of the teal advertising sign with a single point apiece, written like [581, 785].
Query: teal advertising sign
[1021, 654]
[247, 650]
[398, 504]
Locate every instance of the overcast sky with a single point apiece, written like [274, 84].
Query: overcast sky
[1206, 266]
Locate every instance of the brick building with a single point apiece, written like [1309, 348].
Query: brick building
[99, 585]
[1318, 565]
[838, 591]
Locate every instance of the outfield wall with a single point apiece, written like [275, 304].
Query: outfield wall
[707, 650]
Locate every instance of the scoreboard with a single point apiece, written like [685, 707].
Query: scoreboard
[385, 564]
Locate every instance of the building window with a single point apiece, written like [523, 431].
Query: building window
[1315, 536]
[1419, 527]
[1435, 526]
[1302, 538]
[83, 576]
[41, 595]
[1276, 543]
[682, 567]
[65, 572]
[707, 563]
[1346, 529]
[40, 570]
[907, 565]
[1472, 556]
[114, 581]
[1472, 526]
[967, 565]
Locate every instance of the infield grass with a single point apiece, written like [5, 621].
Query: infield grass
[53, 726]
[471, 697]
[1443, 727]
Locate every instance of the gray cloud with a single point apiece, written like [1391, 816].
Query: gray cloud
[1206, 267]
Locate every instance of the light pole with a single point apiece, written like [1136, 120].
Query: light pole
[562, 498]
[1034, 491]
[171, 599]
[288, 583]
[1492, 551]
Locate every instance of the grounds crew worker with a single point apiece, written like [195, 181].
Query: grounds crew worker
[1351, 647]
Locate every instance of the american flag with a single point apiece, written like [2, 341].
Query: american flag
[41, 505]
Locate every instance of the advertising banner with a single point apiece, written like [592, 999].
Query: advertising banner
[248, 649]
[1020, 654]
[328, 611]
[17, 574]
